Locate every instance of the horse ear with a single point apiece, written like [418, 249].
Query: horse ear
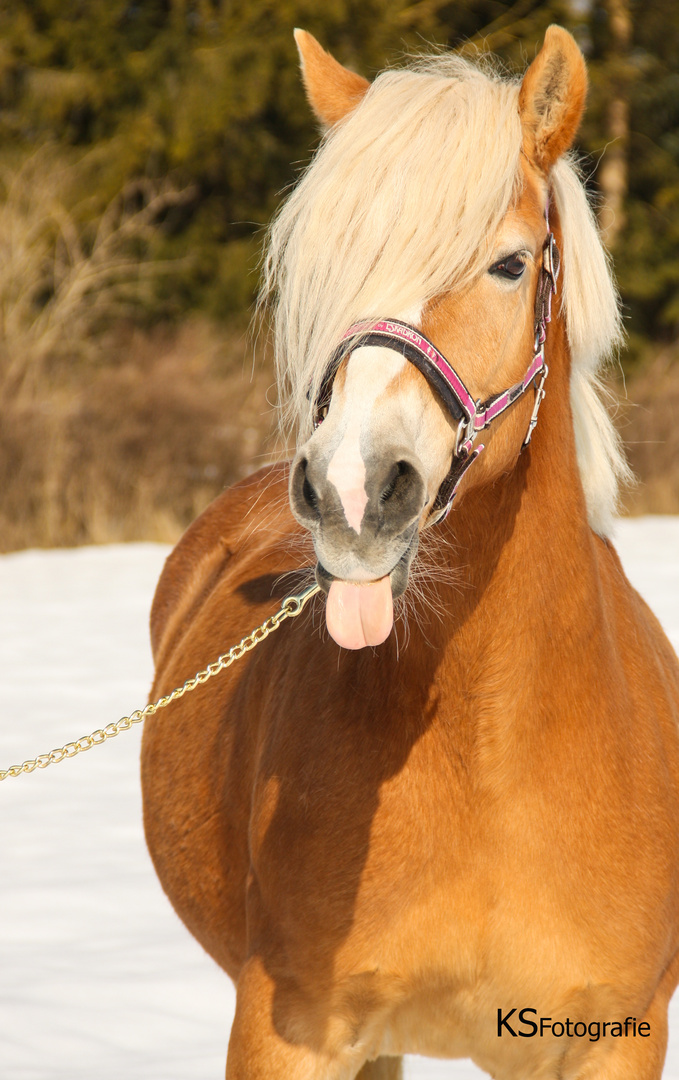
[333, 91]
[552, 98]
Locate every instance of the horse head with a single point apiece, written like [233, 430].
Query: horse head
[425, 213]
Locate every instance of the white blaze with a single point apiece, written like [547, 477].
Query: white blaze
[370, 370]
[347, 472]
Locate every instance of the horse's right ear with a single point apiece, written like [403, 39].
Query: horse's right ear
[333, 91]
[552, 98]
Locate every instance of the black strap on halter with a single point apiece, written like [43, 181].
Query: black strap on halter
[416, 357]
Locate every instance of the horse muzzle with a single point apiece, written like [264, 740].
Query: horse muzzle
[362, 570]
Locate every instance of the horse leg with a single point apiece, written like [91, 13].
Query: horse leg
[384, 1068]
[259, 1051]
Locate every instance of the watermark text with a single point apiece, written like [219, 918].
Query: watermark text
[526, 1024]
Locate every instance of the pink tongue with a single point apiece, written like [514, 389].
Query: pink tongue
[360, 615]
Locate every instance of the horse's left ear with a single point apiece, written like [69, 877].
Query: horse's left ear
[552, 98]
[333, 91]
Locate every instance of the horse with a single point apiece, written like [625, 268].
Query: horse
[438, 813]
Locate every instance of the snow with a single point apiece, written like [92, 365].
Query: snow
[98, 977]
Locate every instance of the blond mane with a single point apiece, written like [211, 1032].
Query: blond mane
[382, 220]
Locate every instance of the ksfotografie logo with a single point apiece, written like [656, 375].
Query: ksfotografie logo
[542, 1026]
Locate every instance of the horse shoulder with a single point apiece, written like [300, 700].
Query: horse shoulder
[213, 542]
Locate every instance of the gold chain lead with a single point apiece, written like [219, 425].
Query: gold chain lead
[289, 609]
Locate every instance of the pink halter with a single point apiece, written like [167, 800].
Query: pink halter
[471, 416]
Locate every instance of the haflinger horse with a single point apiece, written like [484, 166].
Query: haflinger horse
[444, 819]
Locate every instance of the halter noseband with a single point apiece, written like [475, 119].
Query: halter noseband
[471, 416]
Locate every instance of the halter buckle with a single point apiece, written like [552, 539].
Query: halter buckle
[466, 434]
[539, 395]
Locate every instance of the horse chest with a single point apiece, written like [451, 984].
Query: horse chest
[472, 935]
[441, 897]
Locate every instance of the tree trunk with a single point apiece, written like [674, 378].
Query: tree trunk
[612, 174]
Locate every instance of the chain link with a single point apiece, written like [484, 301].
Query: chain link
[289, 609]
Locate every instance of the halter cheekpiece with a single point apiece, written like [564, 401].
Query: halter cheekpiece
[471, 416]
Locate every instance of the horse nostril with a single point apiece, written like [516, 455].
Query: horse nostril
[401, 498]
[304, 499]
[309, 495]
[396, 480]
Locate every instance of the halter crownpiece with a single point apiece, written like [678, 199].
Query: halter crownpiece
[471, 416]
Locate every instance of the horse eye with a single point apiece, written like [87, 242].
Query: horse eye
[511, 267]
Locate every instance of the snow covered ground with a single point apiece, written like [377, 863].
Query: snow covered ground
[98, 978]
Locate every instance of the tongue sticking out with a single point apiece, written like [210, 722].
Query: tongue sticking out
[359, 615]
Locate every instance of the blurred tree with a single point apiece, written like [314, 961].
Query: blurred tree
[612, 172]
[632, 130]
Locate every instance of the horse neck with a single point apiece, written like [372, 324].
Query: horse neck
[522, 546]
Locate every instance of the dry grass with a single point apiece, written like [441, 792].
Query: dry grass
[64, 280]
[137, 450]
[107, 434]
[648, 425]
